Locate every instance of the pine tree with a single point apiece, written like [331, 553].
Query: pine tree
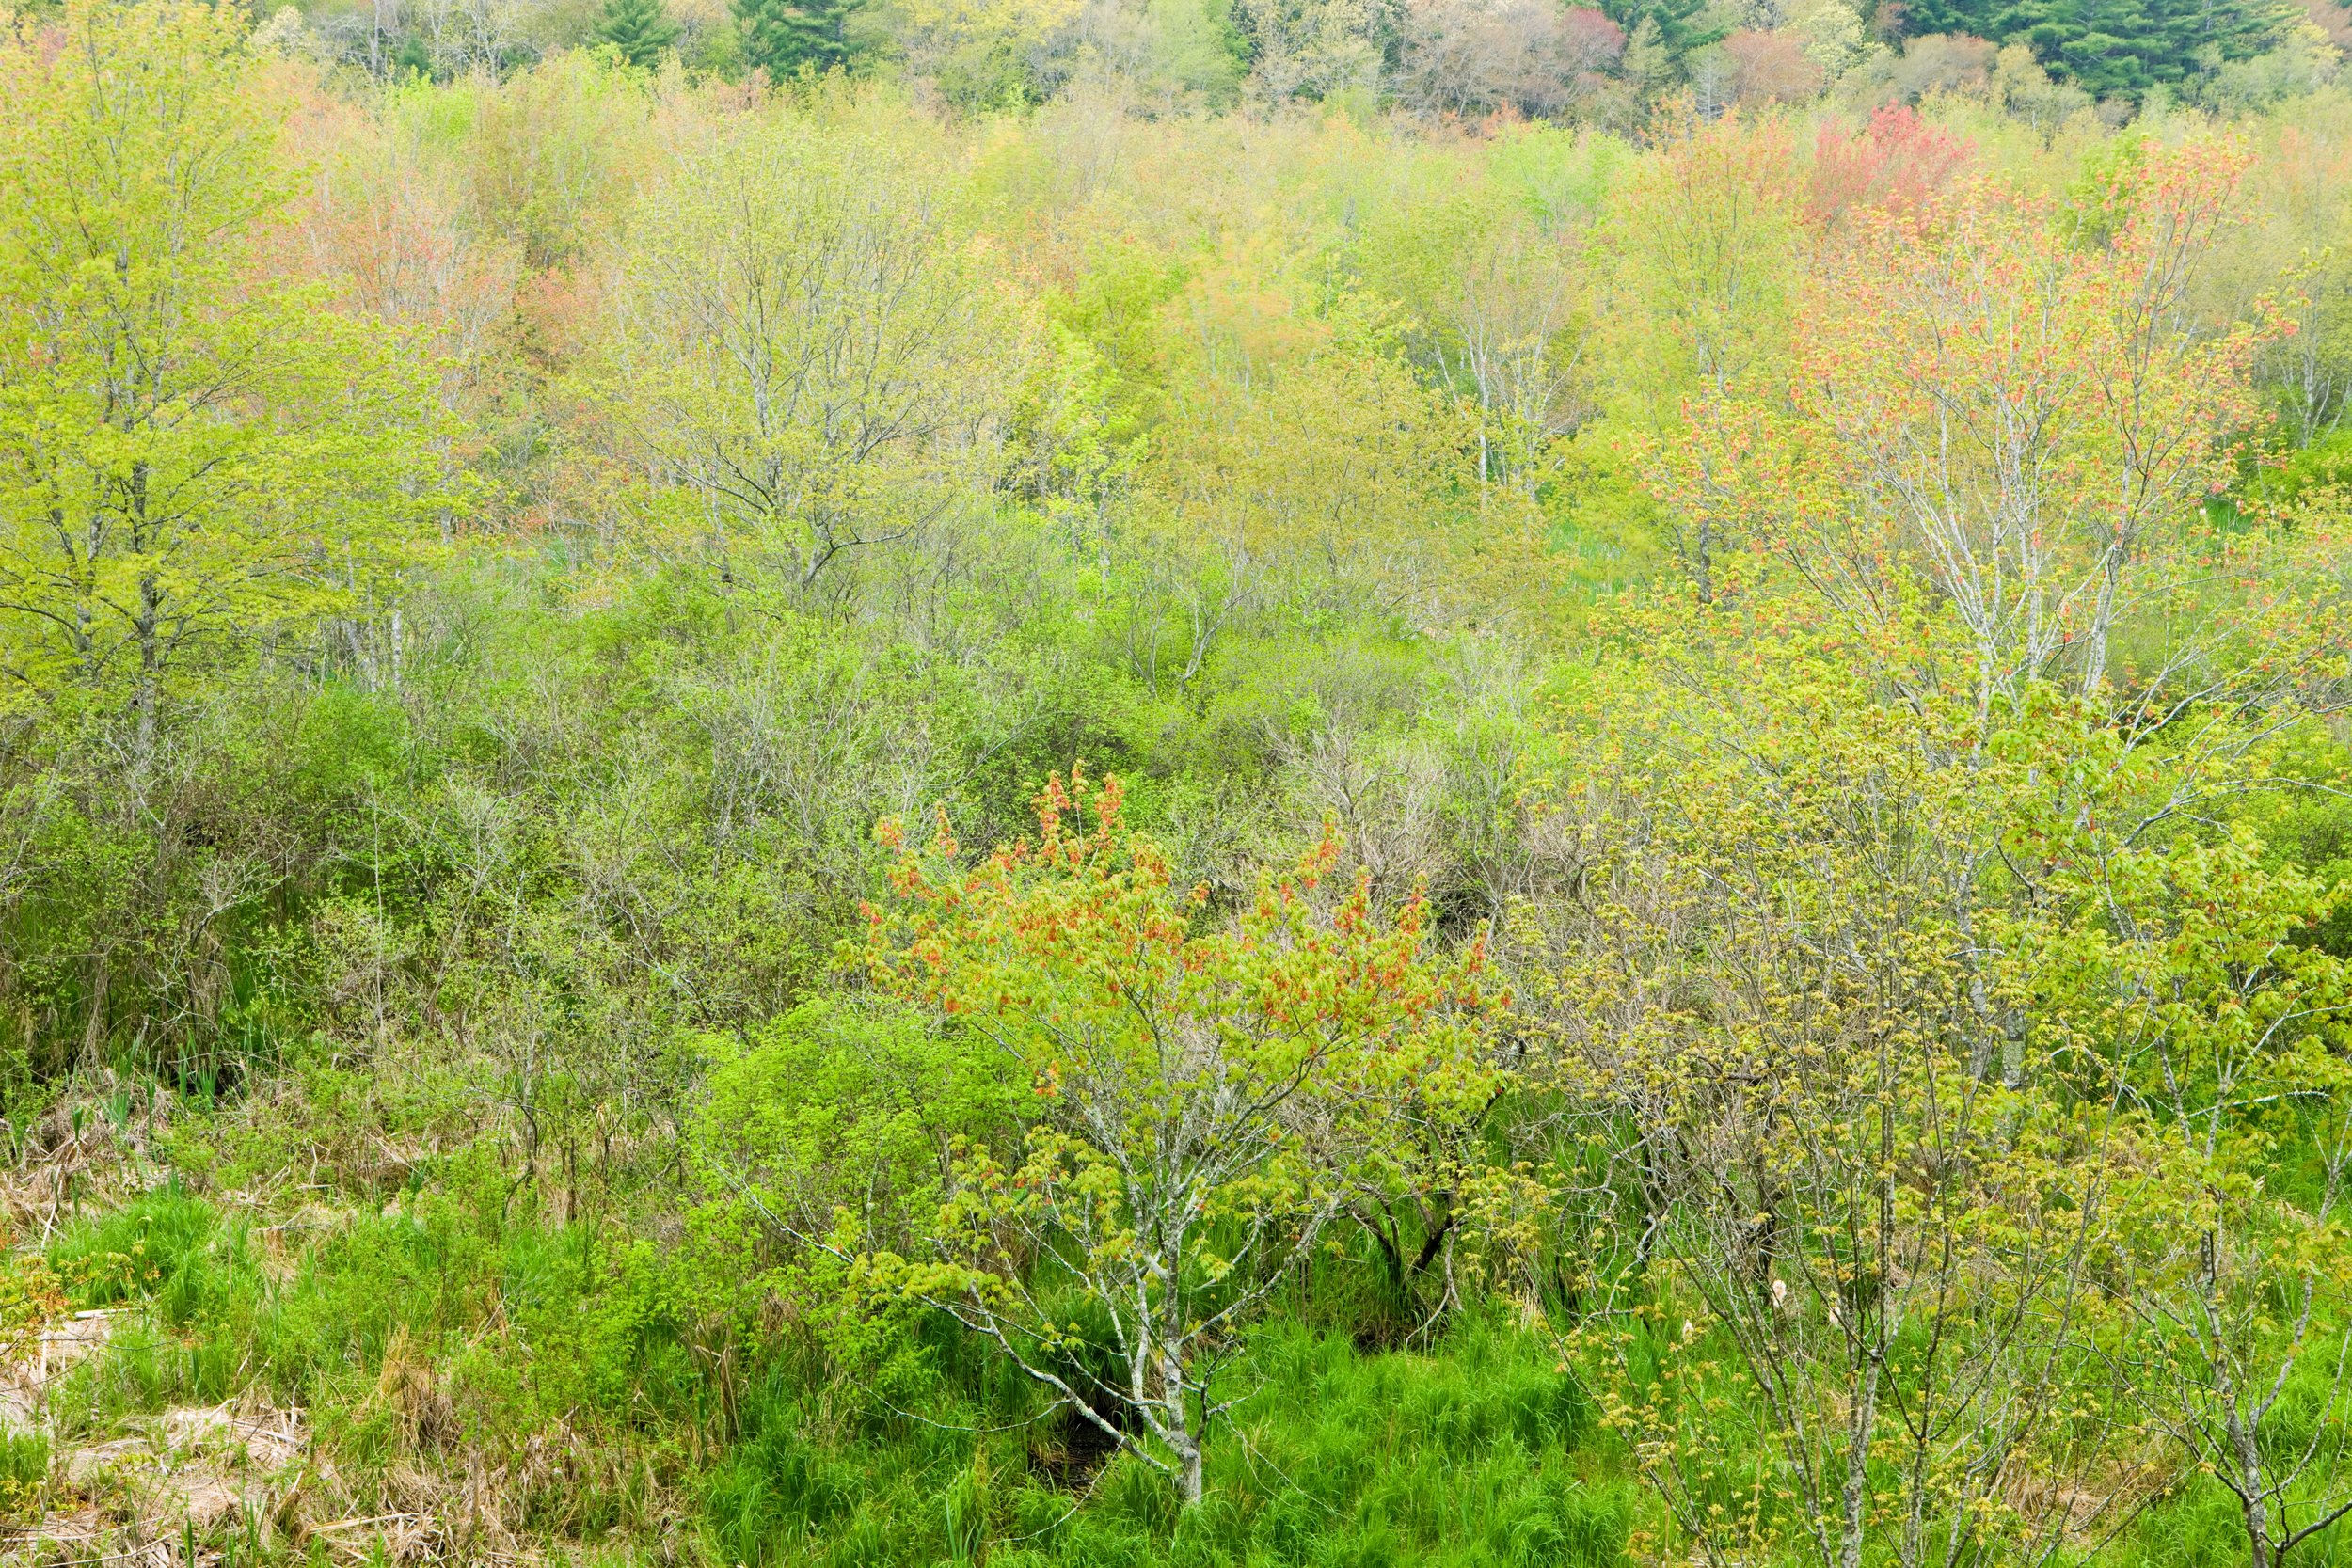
[640, 29]
[781, 36]
[2112, 48]
[1680, 27]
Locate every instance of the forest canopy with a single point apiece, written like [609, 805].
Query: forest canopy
[1278, 783]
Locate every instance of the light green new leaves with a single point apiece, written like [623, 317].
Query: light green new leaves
[192, 448]
[1199, 1099]
[807, 359]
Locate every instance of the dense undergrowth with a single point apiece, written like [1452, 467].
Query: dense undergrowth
[458, 1321]
[782, 827]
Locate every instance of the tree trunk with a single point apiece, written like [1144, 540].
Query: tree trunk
[1182, 1439]
[149, 624]
[2102, 618]
[2259, 1551]
[1188, 1479]
[1856, 1496]
[95, 1030]
[2245, 1447]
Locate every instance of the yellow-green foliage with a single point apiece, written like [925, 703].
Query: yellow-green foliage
[1719, 936]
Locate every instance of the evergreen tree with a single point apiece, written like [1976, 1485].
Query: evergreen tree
[2113, 47]
[1677, 26]
[781, 36]
[640, 29]
[412, 59]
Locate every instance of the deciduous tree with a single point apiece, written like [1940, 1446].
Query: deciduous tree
[1860, 1214]
[2029, 414]
[192, 449]
[1704, 245]
[2234, 1030]
[1199, 1099]
[807, 359]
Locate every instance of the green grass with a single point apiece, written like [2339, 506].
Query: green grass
[744, 1445]
[24, 1469]
[1478, 1452]
[1477, 1455]
[168, 1247]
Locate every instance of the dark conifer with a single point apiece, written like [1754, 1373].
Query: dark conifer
[640, 29]
[782, 36]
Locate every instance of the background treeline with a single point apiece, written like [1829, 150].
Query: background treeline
[1444, 61]
[1719, 936]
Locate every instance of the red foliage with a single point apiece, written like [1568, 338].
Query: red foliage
[1589, 41]
[1894, 163]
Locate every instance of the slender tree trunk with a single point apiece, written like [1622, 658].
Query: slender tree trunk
[2102, 618]
[149, 624]
[1856, 1496]
[2260, 1552]
[95, 1028]
[1181, 1437]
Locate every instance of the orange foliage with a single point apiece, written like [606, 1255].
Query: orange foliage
[1995, 394]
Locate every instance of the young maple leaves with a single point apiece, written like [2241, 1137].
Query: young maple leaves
[1075, 922]
[1203, 1100]
[2012, 402]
